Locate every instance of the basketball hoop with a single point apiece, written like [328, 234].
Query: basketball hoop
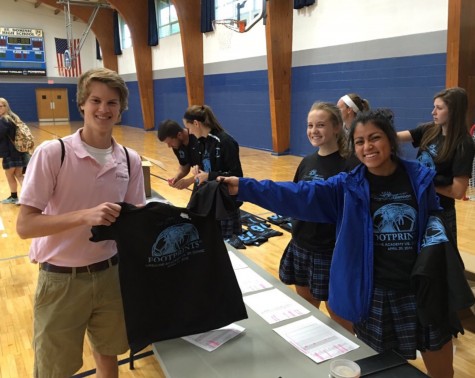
[225, 29]
[230, 23]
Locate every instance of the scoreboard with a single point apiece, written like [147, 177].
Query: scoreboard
[22, 52]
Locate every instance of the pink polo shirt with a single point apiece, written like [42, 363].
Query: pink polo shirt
[80, 183]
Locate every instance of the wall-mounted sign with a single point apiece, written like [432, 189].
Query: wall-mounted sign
[22, 52]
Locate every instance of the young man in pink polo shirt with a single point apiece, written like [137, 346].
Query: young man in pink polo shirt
[65, 192]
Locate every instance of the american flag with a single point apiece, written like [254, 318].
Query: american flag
[61, 47]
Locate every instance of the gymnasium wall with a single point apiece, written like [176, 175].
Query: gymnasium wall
[20, 91]
[392, 53]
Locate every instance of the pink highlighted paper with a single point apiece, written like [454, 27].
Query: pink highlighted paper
[274, 306]
[315, 339]
[214, 339]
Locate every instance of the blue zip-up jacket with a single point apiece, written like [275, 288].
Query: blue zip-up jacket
[344, 200]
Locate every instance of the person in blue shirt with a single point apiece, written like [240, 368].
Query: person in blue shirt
[380, 209]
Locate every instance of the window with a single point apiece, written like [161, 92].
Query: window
[230, 8]
[125, 38]
[167, 18]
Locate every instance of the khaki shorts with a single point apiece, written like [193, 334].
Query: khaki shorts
[66, 305]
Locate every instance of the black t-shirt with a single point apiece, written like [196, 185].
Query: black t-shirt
[218, 154]
[185, 154]
[395, 228]
[175, 274]
[317, 236]
[459, 165]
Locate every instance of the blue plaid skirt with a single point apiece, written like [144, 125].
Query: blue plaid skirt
[306, 268]
[392, 324]
[232, 226]
[17, 162]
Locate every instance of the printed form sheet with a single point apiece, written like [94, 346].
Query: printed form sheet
[250, 281]
[214, 339]
[236, 262]
[274, 306]
[315, 339]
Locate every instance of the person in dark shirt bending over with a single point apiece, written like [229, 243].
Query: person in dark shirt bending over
[183, 143]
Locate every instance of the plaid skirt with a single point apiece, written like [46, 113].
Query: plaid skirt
[306, 268]
[392, 324]
[16, 162]
[231, 226]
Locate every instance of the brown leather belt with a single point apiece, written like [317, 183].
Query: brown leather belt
[97, 267]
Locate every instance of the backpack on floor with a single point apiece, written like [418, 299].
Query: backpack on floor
[24, 141]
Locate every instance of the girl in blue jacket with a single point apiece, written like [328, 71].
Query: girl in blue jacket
[380, 210]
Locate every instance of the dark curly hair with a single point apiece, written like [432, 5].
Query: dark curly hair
[383, 119]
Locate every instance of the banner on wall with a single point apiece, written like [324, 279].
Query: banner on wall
[67, 66]
[22, 52]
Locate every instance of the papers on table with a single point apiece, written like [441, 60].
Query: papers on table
[271, 305]
[274, 306]
[249, 280]
[236, 262]
[310, 336]
[315, 339]
[214, 339]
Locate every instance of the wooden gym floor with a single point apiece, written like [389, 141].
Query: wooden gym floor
[18, 276]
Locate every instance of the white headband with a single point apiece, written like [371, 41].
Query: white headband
[349, 102]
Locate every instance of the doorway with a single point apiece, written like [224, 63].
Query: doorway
[52, 105]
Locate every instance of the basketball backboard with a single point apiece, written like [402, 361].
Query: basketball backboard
[246, 12]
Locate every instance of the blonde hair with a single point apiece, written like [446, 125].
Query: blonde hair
[105, 76]
[9, 115]
[337, 121]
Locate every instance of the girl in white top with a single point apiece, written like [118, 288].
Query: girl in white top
[350, 105]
